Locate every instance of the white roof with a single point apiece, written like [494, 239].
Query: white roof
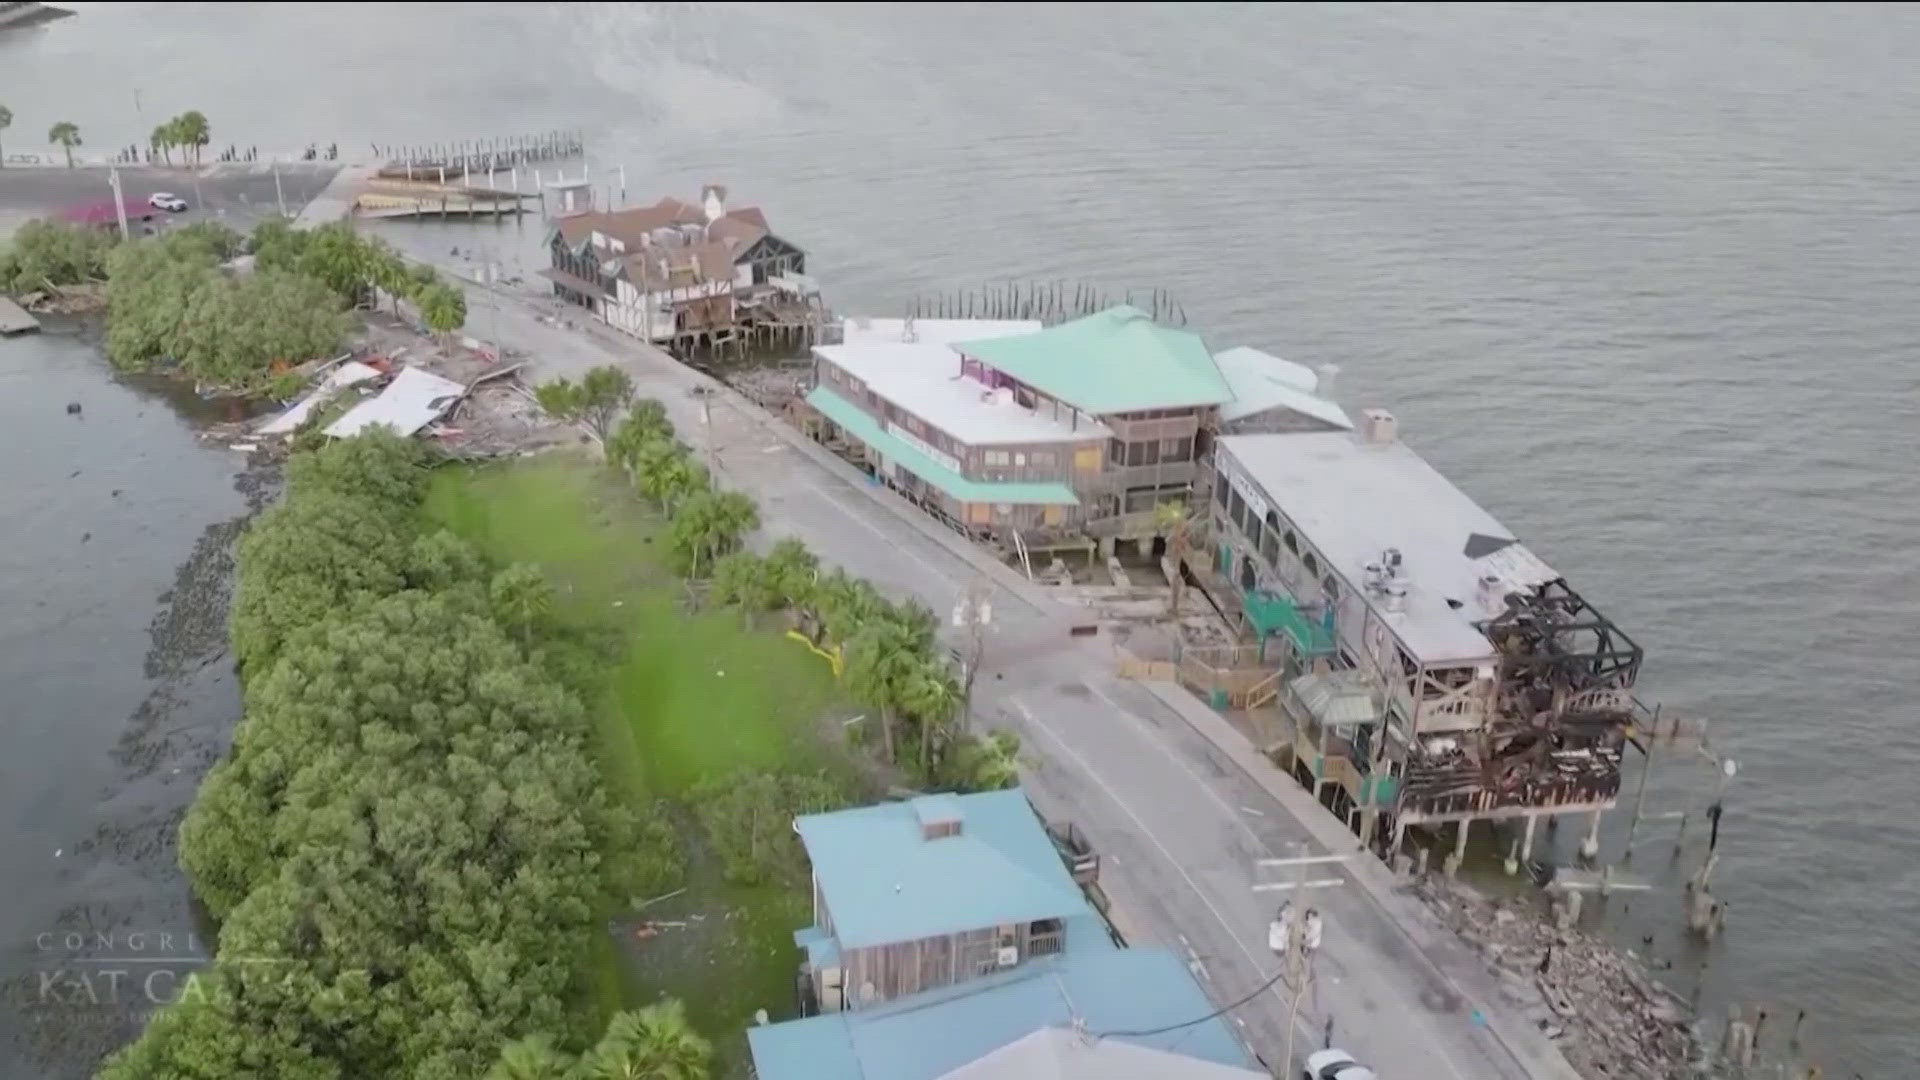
[1351, 500]
[414, 399]
[1261, 381]
[1055, 1053]
[347, 374]
[924, 379]
[860, 330]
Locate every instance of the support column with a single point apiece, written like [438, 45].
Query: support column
[1526, 838]
[1459, 846]
[1590, 847]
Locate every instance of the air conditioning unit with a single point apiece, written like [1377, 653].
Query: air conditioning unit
[1008, 956]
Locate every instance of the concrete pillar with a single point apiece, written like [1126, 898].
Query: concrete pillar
[1568, 912]
[1512, 863]
[1526, 838]
[1590, 847]
[1144, 545]
[1459, 846]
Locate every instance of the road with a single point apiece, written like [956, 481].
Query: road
[237, 193]
[1180, 829]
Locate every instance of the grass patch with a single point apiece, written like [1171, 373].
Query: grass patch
[689, 697]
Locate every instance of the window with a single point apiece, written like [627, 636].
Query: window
[1143, 453]
[1292, 542]
[1176, 450]
[1116, 451]
[1019, 461]
[1041, 459]
[1237, 508]
[1312, 564]
[996, 459]
[1269, 546]
[1220, 492]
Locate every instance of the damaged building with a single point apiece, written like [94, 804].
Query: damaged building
[1435, 669]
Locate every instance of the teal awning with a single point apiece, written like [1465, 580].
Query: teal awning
[868, 430]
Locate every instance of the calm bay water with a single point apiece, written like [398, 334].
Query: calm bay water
[1641, 280]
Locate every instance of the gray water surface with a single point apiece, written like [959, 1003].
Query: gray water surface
[1642, 280]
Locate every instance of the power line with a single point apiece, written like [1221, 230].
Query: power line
[1222, 1010]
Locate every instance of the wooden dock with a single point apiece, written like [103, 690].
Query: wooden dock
[15, 320]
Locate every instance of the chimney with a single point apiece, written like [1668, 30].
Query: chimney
[1377, 426]
[713, 198]
[939, 816]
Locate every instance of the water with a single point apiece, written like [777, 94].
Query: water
[1639, 279]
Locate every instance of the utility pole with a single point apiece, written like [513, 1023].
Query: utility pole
[1295, 937]
[972, 613]
[119, 202]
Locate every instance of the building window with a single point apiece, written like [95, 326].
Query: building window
[1116, 452]
[996, 458]
[1041, 459]
[1312, 564]
[1237, 509]
[1220, 490]
[1176, 450]
[1292, 542]
[1019, 460]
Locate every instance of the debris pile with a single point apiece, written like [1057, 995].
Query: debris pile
[1607, 1015]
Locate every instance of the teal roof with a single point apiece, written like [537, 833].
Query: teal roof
[925, 1036]
[868, 430]
[882, 882]
[1116, 361]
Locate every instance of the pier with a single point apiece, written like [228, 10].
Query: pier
[482, 155]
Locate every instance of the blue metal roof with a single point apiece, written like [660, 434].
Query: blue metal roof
[927, 1035]
[883, 882]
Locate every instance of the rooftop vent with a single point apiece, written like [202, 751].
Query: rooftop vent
[938, 815]
[1377, 426]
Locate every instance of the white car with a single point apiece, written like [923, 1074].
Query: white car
[161, 200]
[1335, 1065]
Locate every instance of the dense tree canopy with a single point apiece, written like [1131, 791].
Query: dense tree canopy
[169, 303]
[598, 399]
[51, 252]
[405, 846]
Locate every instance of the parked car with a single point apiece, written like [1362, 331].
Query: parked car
[1335, 1065]
[161, 200]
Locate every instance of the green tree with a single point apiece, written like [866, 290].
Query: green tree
[277, 245]
[707, 525]
[986, 763]
[236, 329]
[161, 142]
[653, 1043]
[930, 696]
[667, 474]
[793, 570]
[522, 599]
[881, 661]
[51, 252]
[531, 1058]
[747, 581]
[646, 423]
[338, 258]
[444, 308]
[191, 131]
[6, 121]
[596, 400]
[65, 135]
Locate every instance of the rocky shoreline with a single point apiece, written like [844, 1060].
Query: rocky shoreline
[1600, 1004]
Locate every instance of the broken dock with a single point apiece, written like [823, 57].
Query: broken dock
[14, 319]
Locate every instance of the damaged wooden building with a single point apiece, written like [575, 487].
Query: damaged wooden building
[1436, 670]
[686, 277]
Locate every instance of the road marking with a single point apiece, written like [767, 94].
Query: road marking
[1283, 886]
[1101, 781]
[1147, 732]
[1252, 811]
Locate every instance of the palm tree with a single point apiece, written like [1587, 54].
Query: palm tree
[881, 661]
[745, 579]
[667, 474]
[711, 524]
[161, 141]
[531, 1058]
[190, 130]
[654, 1043]
[66, 135]
[522, 596]
[6, 121]
[445, 309]
[1172, 519]
[793, 570]
[650, 417]
[930, 695]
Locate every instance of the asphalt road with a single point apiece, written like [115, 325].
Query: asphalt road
[1181, 832]
[238, 194]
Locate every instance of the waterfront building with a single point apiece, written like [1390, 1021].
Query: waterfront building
[950, 941]
[1041, 436]
[1435, 669]
[679, 274]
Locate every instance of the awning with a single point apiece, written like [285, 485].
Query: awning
[1337, 698]
[865, 428]
[577, 284]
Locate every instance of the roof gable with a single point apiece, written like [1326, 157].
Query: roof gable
[1115, 361]
[883, 881]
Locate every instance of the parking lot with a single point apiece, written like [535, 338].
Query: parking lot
[238, 193]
